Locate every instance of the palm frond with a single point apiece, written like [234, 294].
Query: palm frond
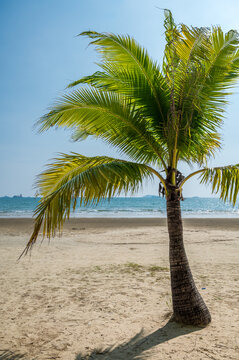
[124, 52]
[205, 72]
[88, 179]
[200, 65]
[108, 116]
[224, 181]
[132, 84]
[172, 34]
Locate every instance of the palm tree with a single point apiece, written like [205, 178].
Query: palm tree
[158, 118]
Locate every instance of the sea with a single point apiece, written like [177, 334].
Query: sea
[126, 207]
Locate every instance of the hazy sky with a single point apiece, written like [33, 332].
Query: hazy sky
[41, 55]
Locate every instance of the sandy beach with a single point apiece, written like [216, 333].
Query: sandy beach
[102, 291]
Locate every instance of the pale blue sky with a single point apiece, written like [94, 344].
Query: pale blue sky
[40, 55]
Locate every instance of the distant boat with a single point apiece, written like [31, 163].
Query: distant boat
[17, 196]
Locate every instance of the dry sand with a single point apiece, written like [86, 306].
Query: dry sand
[104, 285]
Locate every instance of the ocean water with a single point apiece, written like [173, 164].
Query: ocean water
[147, 206]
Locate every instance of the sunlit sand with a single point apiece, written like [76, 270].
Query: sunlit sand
[105, 283]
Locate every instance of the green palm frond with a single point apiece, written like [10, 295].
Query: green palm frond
[189, 131]
[108, 116]
[204, 70]
[132, 84]
[224, 181]
[124, 52]
[200, 66]
[206, 59]
[218, 76]
[198, 147]
[127, 69]
[172, 34]
[88, 179]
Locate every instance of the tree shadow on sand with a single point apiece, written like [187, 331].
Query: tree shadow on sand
[135, 347]
[9, 355]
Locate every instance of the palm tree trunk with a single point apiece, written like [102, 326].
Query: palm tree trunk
[188, 305]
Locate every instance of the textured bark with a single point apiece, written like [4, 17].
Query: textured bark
[188, 305]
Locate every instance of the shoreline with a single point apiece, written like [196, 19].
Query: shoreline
[25, 225]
